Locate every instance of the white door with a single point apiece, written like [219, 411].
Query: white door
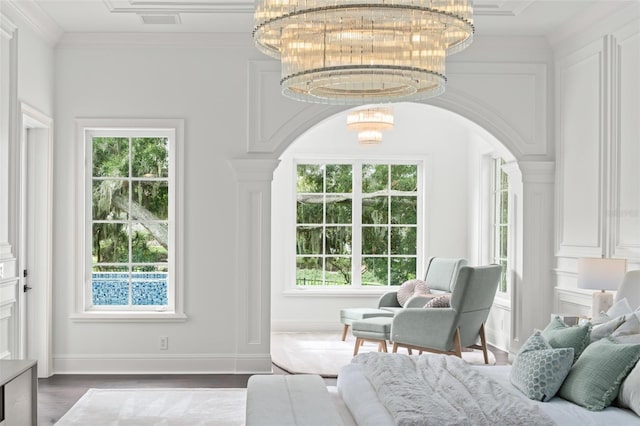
[35, 251]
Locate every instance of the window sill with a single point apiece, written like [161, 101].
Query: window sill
[336, 292]
[128, 317]
[502, 302]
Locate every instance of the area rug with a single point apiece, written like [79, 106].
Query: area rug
[324, 353]
[158, 407]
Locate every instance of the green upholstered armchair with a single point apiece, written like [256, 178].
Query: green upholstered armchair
[440, 277]
[448, 330]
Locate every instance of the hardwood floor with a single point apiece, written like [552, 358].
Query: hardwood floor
[58, 393]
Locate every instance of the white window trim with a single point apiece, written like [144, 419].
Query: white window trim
[502, 299]
[81, 311]
[355, 290]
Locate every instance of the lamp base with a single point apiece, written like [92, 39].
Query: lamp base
[601, 302]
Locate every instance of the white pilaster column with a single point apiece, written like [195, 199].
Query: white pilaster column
[253, 263]
[532, 281]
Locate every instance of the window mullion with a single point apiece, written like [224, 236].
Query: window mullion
[130, 256]
[356, 223]
[324, 224]
[388, 225]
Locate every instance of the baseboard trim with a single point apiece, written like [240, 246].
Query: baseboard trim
[165, 364]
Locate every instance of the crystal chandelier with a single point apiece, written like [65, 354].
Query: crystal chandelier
[357, 51]
[370, 123]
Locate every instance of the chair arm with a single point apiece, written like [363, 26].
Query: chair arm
[424, 327]
[389, 300]
[419, 301]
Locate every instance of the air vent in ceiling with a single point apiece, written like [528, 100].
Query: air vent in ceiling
[158, 19]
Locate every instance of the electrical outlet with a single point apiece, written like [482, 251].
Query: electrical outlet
[164, 343]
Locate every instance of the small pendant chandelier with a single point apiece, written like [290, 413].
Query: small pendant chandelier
[370, 123]
[356, 51]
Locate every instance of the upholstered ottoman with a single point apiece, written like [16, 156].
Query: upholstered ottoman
[377, 329]
[349, 315]
[296, 400]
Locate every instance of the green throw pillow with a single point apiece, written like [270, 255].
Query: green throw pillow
[594, 381]
[560, 335]
[538, 370]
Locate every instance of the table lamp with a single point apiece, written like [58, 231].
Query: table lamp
[603, 275]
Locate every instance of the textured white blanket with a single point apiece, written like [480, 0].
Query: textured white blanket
[442, 390]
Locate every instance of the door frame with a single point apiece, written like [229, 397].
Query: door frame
[36, 166]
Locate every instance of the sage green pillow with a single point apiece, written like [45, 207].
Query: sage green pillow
[538, 370]
[560, 335]
[595, 378]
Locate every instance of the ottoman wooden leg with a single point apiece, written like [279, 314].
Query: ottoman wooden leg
[344, 332]
[382, 346]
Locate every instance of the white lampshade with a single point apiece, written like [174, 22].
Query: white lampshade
[601, 274]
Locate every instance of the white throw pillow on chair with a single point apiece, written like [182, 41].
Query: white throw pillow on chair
[411, 288]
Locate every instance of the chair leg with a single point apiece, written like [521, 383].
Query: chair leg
[357, 346]
[344, 332]
[483, 343]
[410, 351]
[395, 347]
[383, 346]
[458, 346]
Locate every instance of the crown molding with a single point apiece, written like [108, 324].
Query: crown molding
[142, 40]
[33, 15]
[593, 17]
[177, 6]
[7, 28]
[499, 7]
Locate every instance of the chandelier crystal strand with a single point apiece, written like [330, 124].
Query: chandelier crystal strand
[354, 52]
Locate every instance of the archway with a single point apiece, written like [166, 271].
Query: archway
[453, 151]
[531, 179]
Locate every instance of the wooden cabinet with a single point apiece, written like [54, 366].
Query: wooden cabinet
[18, 393]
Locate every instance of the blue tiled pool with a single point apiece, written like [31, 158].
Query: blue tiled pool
[112, 288]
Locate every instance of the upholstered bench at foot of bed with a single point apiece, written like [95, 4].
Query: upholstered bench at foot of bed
[377, 329]
[281, 400]
[349, 315]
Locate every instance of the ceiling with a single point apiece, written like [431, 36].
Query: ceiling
[492, 17]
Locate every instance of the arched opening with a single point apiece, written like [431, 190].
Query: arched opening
[456, 157]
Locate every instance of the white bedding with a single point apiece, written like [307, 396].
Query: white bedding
[360, 397]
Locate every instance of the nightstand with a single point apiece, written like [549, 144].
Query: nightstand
[19, 392]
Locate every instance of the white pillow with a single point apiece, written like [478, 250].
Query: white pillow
[630, 327]
[600, 331]
[411, 288]
[629, 396]
[621, 307]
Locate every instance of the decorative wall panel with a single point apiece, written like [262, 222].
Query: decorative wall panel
[516, 93]
[624, 211]
[582, 137]
[9, 314]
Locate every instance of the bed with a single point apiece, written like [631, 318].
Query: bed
[358, 395]
[581, 375]
[587, 374]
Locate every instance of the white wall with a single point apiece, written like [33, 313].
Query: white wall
[205, 86]
[236, 127]
[598, 150]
